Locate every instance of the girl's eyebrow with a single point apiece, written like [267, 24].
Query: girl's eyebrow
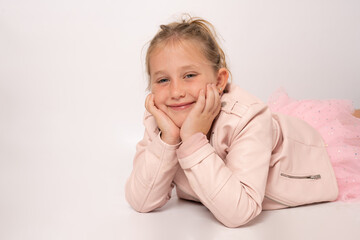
[159, 73]
[191, 66]
[183, 68]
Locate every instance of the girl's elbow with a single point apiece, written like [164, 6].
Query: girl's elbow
[235, 223]
[142, 204]
[239, 217]
[137, 204]
[141, 209]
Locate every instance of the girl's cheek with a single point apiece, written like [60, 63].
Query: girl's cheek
[153, 89]
[156, 91]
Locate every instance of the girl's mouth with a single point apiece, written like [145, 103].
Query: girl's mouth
[181, 106]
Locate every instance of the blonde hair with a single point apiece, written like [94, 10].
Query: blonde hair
[190, 28]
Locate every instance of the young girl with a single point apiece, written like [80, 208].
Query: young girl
[223, 147]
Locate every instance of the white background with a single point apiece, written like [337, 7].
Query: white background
[72, 87]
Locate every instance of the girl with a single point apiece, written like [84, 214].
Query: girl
[223, 147]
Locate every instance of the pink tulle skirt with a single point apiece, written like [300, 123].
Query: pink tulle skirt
[340, 131]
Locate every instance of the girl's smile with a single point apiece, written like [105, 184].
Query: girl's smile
[181, 106]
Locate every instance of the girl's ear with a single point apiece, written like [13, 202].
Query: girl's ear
[222, 79]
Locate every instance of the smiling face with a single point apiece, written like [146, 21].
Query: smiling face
[178, 71]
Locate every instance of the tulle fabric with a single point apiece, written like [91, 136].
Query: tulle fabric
[340, 131]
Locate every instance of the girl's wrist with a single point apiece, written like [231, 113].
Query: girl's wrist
[169, 140]
[184, 135]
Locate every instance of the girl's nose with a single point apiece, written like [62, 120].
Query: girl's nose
[177, 89]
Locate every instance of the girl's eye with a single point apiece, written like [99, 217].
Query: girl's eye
[163, 80]
[190, 75]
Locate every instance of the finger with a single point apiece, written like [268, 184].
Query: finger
[217, 103]
[147, 101]
[210, 99]
[213, 100]
[158, 114]
[150, 105]
[200, 103]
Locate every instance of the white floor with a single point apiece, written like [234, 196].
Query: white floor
[44, 196]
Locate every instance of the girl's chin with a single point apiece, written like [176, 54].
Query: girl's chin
[178, 121]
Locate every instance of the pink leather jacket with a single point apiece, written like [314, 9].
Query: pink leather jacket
[254, 160]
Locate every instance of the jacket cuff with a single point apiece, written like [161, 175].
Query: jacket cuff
[191, 145]
[196, 157]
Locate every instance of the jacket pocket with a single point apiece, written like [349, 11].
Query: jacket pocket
[314, 177]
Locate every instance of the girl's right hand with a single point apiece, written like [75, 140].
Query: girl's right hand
[170, 133]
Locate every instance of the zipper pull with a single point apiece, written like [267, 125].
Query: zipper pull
[315, 176]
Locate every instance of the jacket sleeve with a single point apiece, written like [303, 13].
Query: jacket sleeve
[233, 188]
[155, 164]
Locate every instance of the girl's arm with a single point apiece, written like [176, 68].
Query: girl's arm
[155, 164]
[232, 189]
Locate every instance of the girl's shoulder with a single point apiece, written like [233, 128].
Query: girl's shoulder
[239, 102]
[240, 110]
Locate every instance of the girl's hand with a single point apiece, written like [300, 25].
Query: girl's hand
[170, 133]
[203, 114]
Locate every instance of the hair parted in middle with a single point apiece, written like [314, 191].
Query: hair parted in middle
[194, 29]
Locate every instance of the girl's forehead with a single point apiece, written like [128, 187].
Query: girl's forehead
[188, 48]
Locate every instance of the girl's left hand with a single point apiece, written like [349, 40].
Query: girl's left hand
[203, 114]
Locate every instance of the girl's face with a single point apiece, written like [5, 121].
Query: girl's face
[178, 72]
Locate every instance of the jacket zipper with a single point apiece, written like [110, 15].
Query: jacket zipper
[315, 177]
